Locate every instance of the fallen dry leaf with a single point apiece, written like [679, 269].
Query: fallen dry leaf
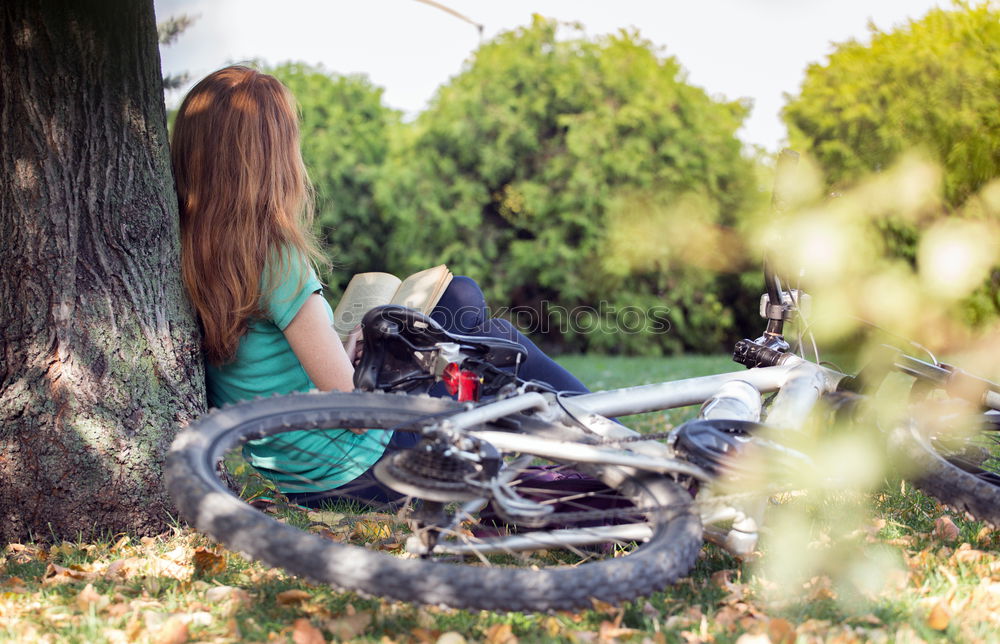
[326, 517]
[781, 631]
[425, 619]
[819, 588]
[813, 626]
[967, 554]
[349, 626]
[14, 585]
[603, 607]
[196, 618]
[303, 632]
[500, 634]
[64, 548]
[115, 636]
[116, 569]
[370, 530]
[121, 543]
[721, 578]
[172, 631]
[88, 597]
[208, 563]
[989, 587]
[134, 628]
[167, 567]
[293, 596]
[753, 638]
[425, 635]
[180, 554]
[119, 609]
[868, 618]
[237, 596]
[945, 529]
[233, 628]
[552, 626]
[938, 617]
[21, 553]
[56, 574]
[609, 632]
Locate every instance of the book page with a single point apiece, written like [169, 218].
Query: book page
[422, 290]
[364, 292]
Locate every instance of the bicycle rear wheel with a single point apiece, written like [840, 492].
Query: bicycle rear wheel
[960, 468]
[471, 559]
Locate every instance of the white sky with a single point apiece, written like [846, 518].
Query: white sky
[732, 48]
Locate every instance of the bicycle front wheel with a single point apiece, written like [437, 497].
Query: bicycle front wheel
[578, 532]
[959, 467]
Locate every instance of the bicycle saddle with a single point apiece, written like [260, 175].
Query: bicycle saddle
[398, 342]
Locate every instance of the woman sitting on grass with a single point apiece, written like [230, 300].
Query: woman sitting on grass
[248, 261]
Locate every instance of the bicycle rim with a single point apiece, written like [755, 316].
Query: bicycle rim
[960, 468]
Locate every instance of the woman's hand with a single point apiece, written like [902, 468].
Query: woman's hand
[354, 345]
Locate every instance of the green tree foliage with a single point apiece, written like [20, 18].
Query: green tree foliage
[563, 170]
[346, 131]
[932, 86]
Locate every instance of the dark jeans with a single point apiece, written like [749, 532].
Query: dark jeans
[462, 310]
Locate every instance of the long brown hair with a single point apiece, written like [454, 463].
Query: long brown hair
[244, 196]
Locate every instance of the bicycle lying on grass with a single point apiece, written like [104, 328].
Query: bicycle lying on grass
[534, 500]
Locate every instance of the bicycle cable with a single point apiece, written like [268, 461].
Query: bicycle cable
[933, 358]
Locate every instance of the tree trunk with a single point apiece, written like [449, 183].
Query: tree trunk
[99, 353]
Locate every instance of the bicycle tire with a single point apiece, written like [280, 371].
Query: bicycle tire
[952, 480]
[205, 502]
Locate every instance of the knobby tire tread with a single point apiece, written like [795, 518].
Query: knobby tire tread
[212, 509]
[951, 485]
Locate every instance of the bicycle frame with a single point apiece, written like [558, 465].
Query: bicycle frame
[735, 395]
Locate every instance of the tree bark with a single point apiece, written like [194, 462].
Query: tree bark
[99, 352]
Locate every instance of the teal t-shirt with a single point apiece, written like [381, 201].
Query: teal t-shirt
[301, 461]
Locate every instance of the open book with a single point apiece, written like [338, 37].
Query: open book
[365, 291]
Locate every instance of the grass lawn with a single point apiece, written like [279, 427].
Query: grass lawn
[884, 565]
[610, 372]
